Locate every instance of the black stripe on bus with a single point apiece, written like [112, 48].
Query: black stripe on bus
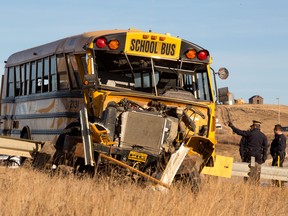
[8, 132]
[43, 96]
[42, 115]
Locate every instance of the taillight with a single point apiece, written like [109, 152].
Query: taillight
[113, 44]
[203, 54]
[190, 54]
[101, 42]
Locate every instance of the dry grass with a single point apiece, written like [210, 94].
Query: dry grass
[25, 192]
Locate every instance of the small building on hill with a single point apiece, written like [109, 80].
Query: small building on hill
[256, 99]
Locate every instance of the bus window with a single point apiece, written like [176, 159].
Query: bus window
[27, 78]
[53, 76]
[167, 81]
[189, 84]
[62, 75]
[10, 91]
[46, 75]
[84, 64]
[147, 82]
[39, 76]
[138, 80]
[198, 84]
[23, 89]
[4, 84]
[73, 71]
[116, 79]
[144, 81]
[203, 86]
[33, 78]
[17, 86]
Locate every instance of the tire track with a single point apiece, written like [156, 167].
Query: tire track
[225, 114]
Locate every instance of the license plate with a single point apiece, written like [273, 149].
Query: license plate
[137, 156]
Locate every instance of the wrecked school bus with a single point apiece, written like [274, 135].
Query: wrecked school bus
[123, 97]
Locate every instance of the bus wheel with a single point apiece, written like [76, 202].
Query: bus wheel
[23, 161]
[194, 181]
[63, 157]
[44, 157]
[80, 169]
[191, 180]
[190, 175]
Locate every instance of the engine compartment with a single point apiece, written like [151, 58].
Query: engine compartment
[154, 128]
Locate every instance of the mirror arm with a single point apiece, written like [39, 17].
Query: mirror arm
[215, 83]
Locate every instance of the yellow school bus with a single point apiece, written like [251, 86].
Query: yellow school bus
[145, 94]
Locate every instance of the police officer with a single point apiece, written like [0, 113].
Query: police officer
[243, 146]
[256, 142]
[278, 146]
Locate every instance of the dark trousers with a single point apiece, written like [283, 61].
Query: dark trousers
[275, 160]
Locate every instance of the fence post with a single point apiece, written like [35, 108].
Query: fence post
[255, 171]
[278, 183]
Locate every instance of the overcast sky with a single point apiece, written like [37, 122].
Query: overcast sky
[249, 37]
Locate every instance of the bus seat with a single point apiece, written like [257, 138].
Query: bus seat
[167, 81]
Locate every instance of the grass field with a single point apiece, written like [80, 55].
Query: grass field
[27, 192]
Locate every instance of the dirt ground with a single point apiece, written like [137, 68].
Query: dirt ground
[241, 116]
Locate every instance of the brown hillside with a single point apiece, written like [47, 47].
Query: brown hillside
[241, 116]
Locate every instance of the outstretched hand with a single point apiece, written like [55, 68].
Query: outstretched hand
[264, 158]
[230, 124]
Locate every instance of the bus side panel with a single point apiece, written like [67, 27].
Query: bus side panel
[45, 118]
[6, 118]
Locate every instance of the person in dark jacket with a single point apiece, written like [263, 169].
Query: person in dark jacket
[243, 147]
[278, 146]
[256, 142]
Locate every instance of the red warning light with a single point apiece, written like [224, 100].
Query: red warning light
[101, 42]
[203, 54]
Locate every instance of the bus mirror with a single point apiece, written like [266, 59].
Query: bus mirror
[223, 73]
[90, 81]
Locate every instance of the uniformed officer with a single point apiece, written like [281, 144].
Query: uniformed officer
[278, 146]
[243, 147]
[256, 142]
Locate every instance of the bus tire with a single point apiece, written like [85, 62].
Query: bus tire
[44, 157]
[190, 175]
[25, 134]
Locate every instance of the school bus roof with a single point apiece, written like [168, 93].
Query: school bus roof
[69, 44]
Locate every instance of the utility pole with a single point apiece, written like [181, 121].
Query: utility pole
[278, 110]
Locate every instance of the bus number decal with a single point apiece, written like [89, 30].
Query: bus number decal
[74, 104]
